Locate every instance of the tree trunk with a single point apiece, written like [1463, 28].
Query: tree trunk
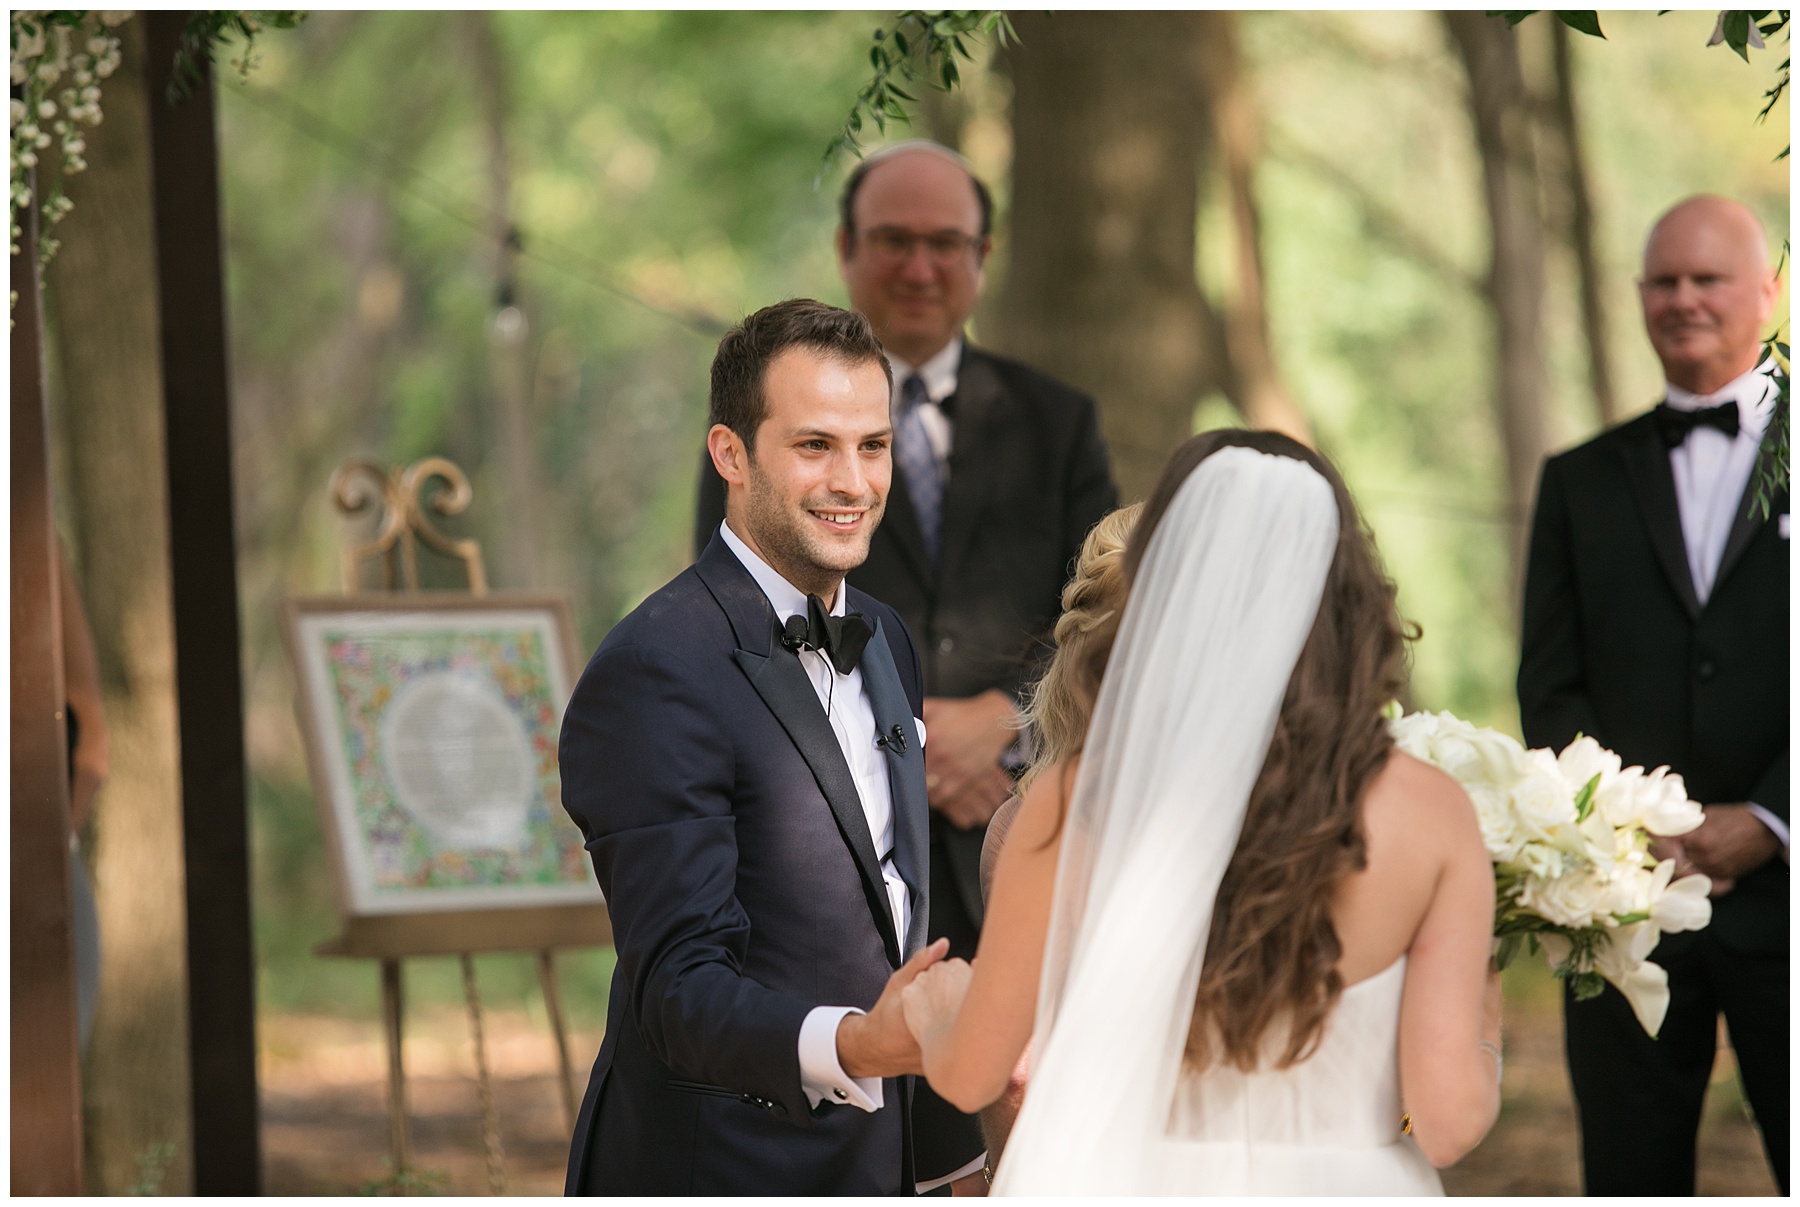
[508, 335]
[1501, 115]
[1110, 130]
[1581, 229]
[1252, 382]
[101, 297]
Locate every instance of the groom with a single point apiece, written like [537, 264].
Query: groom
[742, 758]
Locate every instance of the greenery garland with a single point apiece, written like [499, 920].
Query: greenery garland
[58, 60]
[917, 46]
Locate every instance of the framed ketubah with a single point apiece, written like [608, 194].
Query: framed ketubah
[431, 724]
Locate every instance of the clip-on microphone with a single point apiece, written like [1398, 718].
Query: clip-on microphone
[894, 741]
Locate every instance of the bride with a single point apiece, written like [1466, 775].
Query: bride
[1246, 939]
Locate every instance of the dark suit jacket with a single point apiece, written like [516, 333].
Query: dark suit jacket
[1617, 646]
[1028, 478]
[744, 888]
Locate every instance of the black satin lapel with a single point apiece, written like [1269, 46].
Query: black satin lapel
[900, 524]
[1647, 463]
[1749, 518]
[977, 399]
[906, 775]
[745, 605]
[782, 683]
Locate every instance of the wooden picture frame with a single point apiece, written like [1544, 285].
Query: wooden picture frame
[430, 722]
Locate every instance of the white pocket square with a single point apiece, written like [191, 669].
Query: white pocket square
[1781, 525]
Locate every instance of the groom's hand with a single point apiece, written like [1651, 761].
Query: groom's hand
[878, 1044]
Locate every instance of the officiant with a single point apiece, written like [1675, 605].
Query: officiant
[1656, 621]
[1000, 472]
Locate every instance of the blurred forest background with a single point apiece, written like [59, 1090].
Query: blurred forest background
[513, 239]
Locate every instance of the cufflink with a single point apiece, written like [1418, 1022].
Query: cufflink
[840, 1093]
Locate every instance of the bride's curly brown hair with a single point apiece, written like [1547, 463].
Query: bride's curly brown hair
[1272, 951]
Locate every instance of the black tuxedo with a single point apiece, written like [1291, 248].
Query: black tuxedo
[744, 887]
[1028, 476]
[1616, 645]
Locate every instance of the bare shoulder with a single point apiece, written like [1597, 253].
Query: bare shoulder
[1410, 803]
[1038, 821]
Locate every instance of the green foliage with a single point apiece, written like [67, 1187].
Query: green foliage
[918, 46]
[205, 32]
[407, 1182]
[1584, 800]
[1772, 477]
[662, 156]
[1581, 22]
[153, 1167]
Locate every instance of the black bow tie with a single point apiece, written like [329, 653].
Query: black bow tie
[840, 638]
[1675, 425]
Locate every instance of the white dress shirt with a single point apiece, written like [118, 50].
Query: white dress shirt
[1712, 472]
[852, 718]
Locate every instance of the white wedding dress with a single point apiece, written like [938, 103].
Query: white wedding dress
[1327, 1125]
[1218, 613]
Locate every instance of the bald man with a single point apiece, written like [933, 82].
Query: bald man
[999, 474]
[1656, 621]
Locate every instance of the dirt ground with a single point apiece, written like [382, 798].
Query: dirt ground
[325, 1128]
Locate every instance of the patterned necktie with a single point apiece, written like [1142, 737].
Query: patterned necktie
[918, 461]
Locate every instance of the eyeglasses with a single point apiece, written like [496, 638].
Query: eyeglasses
[944, 248]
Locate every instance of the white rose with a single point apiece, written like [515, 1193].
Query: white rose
[1503, 760]
[1500, 831]
[1412, 734]
[1632, 890]
[1540, 797]
[1663, 804]
[1576, 899]
[1540, 860]
[1457, 756]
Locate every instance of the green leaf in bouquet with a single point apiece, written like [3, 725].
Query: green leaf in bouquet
[1507, 951]
[1588, 985]
[1631, 919]
[1584, 800]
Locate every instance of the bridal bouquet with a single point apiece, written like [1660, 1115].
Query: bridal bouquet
[1569, 836]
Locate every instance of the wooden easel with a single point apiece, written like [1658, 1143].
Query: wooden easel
[356, 487]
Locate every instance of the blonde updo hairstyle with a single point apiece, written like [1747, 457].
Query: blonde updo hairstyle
[1062, 703]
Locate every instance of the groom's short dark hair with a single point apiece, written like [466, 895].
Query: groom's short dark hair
[741, 364]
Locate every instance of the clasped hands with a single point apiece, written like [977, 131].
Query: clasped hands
[964, 740]
[917, 1006]
[1731, 843]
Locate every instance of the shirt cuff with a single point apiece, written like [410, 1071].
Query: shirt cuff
[1777, 827]
[975, 1166]
[821, 1076]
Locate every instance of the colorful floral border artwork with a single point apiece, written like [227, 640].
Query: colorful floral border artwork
[437, 732]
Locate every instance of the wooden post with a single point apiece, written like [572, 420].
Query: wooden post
[565, 1079]
[46, 1062]
[391, 1006]
[203, 574]
[490, 1118]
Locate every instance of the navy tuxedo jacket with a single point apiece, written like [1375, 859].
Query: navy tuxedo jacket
[744, 888]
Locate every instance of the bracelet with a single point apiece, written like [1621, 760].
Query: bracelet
[1493, 1049]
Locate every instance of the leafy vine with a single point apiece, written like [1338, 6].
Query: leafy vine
[918, 46]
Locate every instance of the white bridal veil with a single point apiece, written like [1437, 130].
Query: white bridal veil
[1220, 609]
